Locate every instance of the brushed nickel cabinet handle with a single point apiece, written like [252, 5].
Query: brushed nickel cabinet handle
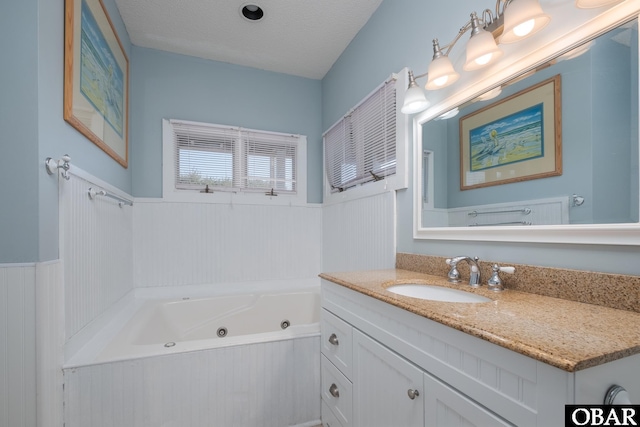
[333, 390]
[333, 339]
[413, 393]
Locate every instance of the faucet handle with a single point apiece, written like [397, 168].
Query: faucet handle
[454, 274]
[495, 283]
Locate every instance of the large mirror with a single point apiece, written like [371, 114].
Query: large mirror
[550, 155]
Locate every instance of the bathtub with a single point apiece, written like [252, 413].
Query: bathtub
[191, 359]
[168, 326]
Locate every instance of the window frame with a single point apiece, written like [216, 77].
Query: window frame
[248, 196]
[397, 181]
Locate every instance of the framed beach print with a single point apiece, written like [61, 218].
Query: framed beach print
[96, 78]
[515, 139]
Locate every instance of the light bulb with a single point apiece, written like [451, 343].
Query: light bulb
[523, 18]
[524, 28]
[441, 81]
[484, 59]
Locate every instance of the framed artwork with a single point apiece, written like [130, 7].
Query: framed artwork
[515, 139]
[96, 78]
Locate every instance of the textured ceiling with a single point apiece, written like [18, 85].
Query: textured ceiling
[299, 37]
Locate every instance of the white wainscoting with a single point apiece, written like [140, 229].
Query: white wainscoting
[17, 345]
[49, 302]
[270, 384]
[204, 243]
[96, 248]
[359, 234]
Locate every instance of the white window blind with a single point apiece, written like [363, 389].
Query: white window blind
[223, 158]
[362, 146]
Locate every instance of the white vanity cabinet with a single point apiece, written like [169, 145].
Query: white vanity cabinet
[388, 390]
[386, 355]
[335, 377]
[446, 407]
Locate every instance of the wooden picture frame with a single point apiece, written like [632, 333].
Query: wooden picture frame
[96, 78]
[515, 139]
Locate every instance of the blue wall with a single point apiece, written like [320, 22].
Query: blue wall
[399, 34]
[171, 86]
[19, 133]
[161, 85]
[31, 82]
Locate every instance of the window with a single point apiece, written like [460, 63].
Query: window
[361, 147]
[215, 158]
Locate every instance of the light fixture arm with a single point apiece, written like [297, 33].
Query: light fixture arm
[467, 26]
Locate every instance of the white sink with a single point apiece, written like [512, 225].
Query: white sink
[435, 293]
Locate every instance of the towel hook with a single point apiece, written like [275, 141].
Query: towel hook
[53, 165]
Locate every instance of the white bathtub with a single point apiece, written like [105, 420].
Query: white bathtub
[158, 360]
[168, 326]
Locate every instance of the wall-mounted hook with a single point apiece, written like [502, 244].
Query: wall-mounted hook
[63, 164]
[577, 200]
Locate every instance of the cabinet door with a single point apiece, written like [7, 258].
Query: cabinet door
[387, 389]
[445, 407]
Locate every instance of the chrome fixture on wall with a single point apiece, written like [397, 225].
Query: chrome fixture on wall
[121, 201]
[512, 21]
[63, 163]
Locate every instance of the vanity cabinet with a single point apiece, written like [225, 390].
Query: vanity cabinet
[385, 389]
[385, 355]
[365, 383]
[446, 407]
[388, 390]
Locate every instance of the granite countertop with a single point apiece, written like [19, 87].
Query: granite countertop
[566, 334]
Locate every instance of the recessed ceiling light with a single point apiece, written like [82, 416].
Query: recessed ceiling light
[252, 12]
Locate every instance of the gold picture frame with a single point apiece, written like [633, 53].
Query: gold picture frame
[515, 139]
[96, 78]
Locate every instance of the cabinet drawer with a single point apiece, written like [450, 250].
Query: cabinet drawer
[337, 342]
[328, 417]
[336, 392]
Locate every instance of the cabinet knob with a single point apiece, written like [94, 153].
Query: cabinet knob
[333, 339]
[333, 390]
[413, 393]
[617, 395]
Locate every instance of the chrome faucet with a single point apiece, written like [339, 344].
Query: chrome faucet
[454, 274]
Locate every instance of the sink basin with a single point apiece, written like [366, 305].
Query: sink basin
[435, 293]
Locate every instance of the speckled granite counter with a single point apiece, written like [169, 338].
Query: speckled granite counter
[566, 334]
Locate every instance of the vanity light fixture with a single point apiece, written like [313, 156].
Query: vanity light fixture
[414, 99]
[512, 21]
[591, 4]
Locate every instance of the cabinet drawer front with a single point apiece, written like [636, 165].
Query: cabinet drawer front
[329, 419]
[444, 406]
[336, 392]
[337, 342]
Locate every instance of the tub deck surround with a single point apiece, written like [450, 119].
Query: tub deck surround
[566, 334]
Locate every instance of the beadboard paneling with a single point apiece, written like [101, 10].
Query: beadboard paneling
[96, 249]
[17, 346]
[271, 384]
[359, 234]
[49, 342]
[202, 243]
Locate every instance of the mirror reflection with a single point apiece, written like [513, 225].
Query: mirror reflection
[518, 155]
